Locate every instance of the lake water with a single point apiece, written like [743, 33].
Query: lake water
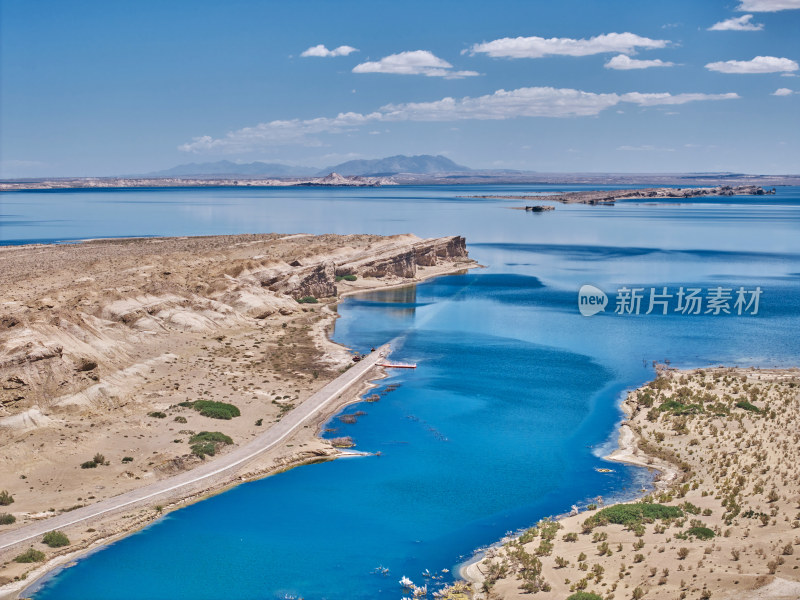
[515, 398]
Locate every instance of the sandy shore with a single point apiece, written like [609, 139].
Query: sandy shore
[722, 522]
[98, 337]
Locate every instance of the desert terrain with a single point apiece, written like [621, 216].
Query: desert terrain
[115, 355]
[723, 521]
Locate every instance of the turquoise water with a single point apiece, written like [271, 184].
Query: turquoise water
[512, 405]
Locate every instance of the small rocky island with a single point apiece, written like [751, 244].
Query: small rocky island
[608, 197]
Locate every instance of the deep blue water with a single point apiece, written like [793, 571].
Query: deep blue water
[512, 405]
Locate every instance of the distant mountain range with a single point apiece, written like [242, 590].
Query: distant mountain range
[422, 164]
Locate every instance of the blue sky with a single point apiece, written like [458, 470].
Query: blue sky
[105, 88]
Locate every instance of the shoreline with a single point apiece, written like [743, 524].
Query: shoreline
[123, 525]
[691, 449]
[624, 453]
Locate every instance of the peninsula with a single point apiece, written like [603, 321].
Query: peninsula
[610, 196]
[140, 374]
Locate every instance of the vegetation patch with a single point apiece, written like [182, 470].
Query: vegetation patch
[346, 277]
[31, 555]
[307, 300]
[89, 464]
[631, 514]
[744, 404]
[679, 408]
[213, 409]
[701, 533]
[157, 414]
[206, 443]
[6, 498]
[7, 519]
[55, 539]
[584, 596]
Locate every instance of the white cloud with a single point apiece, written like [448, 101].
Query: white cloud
[414, 62]
[645, 148]
[666, 98]
[737, 24]
[537, 47]
[760, 64]
[322, 52]
[783, 92]
[621, 62]
[277, 133]
[768, 5]
[502, 104]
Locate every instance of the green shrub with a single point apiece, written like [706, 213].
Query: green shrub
[214, 409]
[7, 519]
[703, 533]
[346, 277]
[31, 555]
[679, 408]
[127, 459]
[89, 464]
[180, 419]
[747, 406]
[6, 498]
[307, 300]
[631, 514]
[99, 458]
[55, 539]
[584, 596]
[206, 443]
[157, 414]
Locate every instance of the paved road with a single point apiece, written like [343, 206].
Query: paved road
[198, 478]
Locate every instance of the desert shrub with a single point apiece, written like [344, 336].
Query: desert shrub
[744, 404]
[702, 533]
[6, 498]
[679, 408]
[307, 300]
[346, 277]
[206, 443]
[99, 458]
[179, 419]
[214, 409]
[127, 459]
[584, 596]
[157, 414]
[7, 519]
[30, 555]
[631, 514]
[89, 464]
[55, 539]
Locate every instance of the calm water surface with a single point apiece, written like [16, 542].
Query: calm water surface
[514, 400]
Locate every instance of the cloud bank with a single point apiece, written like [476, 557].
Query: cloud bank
[737, 24]
[621, 62]
[760, 64]
[322, 52]
[783, 92]
[415, 62]
[537, 47]
[502, 104]
[768, 5]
